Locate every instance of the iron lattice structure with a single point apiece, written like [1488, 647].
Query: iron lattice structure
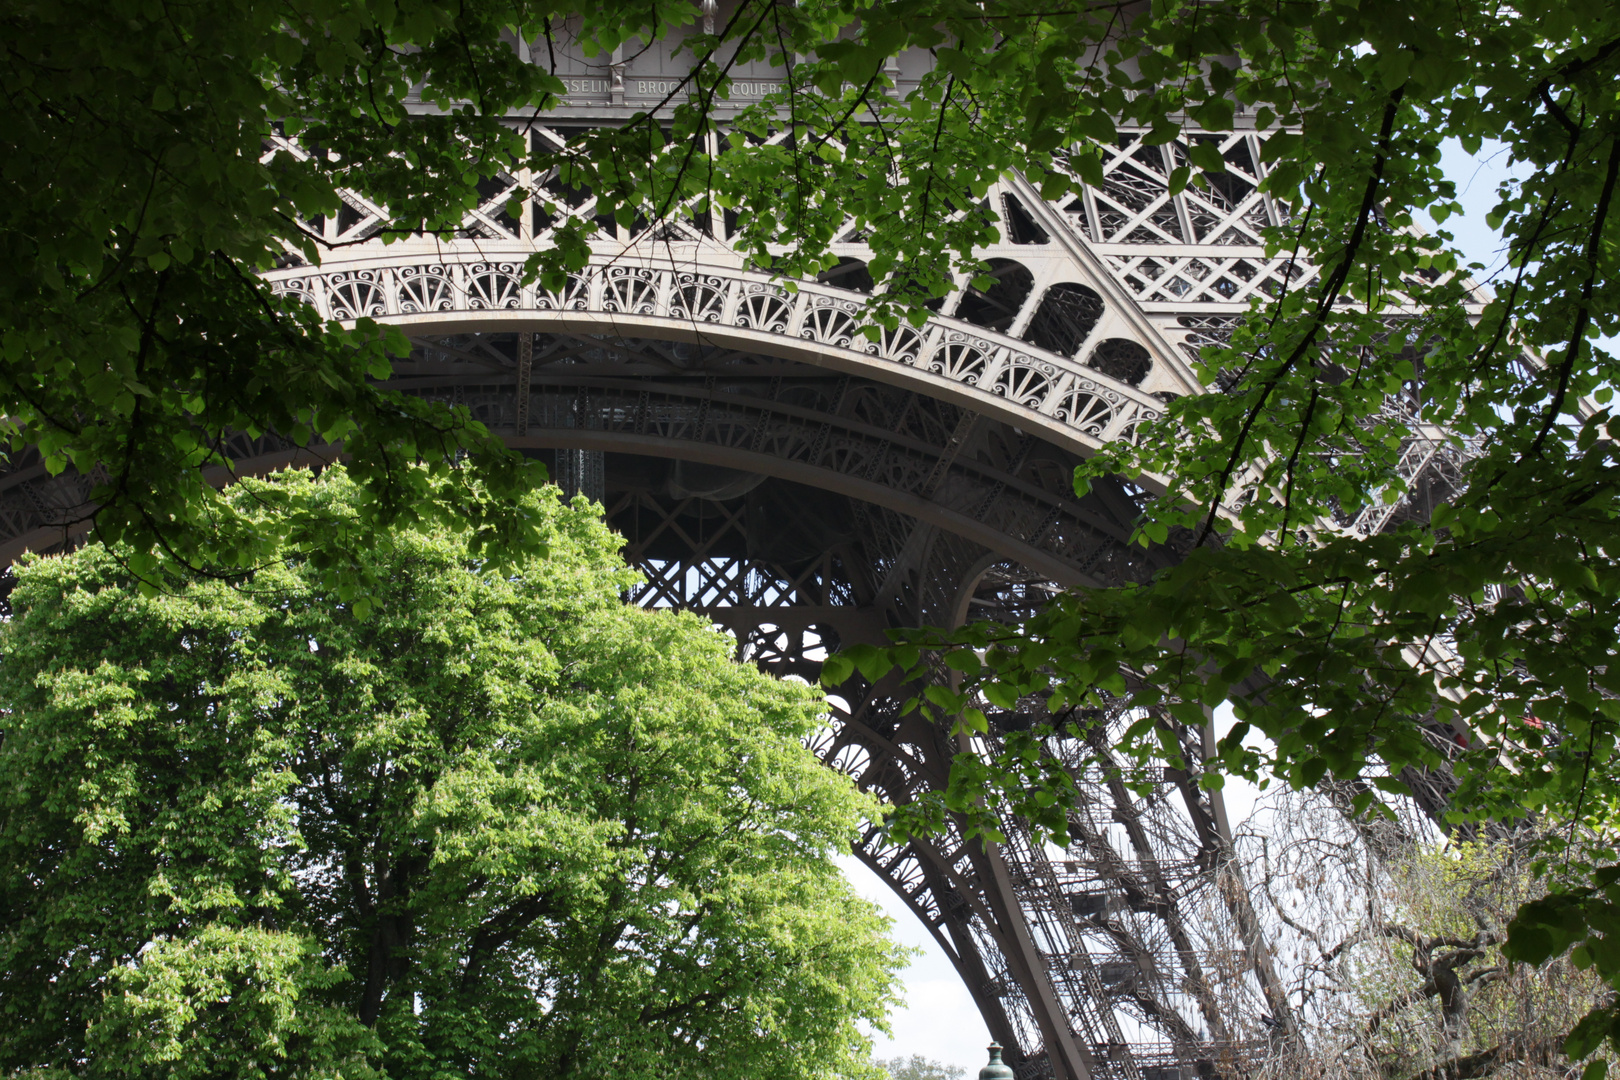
[806, 486]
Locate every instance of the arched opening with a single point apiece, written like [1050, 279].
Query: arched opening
[1068, 312]
[849, 274]
[1122, 359]
[998, 306]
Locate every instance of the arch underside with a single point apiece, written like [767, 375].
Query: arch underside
[807, 479]
[804, 507]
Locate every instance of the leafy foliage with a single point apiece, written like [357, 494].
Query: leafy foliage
[918, 1067]
[136, 210]
[505, 824]
[1479, 639]
[1329, 385]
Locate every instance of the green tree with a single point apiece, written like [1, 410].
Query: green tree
[135, 211]
[504, 826]
[918, 1067]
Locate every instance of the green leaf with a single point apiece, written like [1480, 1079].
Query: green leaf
[1394, 66]
[999, 694]
[1163, 131]
[1088, 164]
[836, 670]
[1207, 156]
[873, 663]
[1214, 114]
[1589, 1034]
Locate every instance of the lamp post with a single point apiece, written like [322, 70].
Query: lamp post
[996, 1069]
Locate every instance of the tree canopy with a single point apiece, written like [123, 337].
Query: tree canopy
[136, 209]
[140, 197]
[506, 825]
[918, 1067]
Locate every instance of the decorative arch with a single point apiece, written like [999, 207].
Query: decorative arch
[997, 308]
[1069, 312]
[1121, 359]
[1073, 404]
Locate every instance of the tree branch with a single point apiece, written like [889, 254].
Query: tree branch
[1583, 314]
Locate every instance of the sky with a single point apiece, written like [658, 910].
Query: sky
[1476, 177]
[938, 1019]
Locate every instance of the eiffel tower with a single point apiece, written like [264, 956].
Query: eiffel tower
[807, 486]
